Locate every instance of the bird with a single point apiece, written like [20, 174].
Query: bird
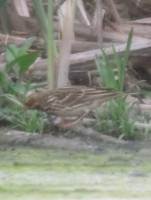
[69, 102]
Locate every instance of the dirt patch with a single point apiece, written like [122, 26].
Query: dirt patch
[78, 139]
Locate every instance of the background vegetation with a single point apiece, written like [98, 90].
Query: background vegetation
[115, 119]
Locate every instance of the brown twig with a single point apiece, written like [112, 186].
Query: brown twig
[114, 13]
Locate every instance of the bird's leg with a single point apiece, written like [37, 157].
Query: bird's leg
[68, 124]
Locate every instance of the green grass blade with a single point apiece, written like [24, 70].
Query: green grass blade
[128, 48]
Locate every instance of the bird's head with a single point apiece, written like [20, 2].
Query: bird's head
[35, 99]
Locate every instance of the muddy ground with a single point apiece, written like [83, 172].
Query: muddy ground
[73, 167]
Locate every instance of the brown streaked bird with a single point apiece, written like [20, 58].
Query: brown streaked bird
[68, 102]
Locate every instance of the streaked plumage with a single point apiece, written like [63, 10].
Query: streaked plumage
[73, 101]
